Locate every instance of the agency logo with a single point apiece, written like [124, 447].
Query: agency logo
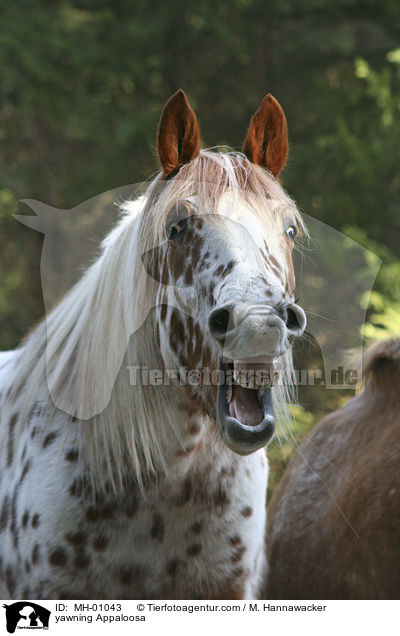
[26, 615]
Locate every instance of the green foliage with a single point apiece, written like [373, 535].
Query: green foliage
[285, 442]
[20, 293]
[384, 324]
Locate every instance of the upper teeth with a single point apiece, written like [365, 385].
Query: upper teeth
[250, 379]
[256, 374]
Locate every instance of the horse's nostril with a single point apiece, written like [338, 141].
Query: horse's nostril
[291, 320]
[218, 322]
[295, 319]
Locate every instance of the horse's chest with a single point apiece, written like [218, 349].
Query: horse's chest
[198, 538]
[180, 554]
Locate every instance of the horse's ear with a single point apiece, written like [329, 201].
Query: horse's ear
[178, 134]
[266, 142]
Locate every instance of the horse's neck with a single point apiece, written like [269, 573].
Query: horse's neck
[168, 415]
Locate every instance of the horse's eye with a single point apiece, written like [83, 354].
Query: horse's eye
[175, 229]
[291, 232]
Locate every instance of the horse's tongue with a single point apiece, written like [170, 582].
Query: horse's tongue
[244, 406]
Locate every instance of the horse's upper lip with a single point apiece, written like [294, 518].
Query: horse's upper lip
[244, 412]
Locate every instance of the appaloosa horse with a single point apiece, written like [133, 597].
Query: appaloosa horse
[114, 485]
[334, 518]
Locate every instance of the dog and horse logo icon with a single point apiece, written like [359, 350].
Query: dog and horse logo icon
[26, 615]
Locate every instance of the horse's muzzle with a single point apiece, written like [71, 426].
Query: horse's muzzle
[245, 329]
[251, 338]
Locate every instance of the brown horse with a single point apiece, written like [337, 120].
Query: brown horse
[334, 518]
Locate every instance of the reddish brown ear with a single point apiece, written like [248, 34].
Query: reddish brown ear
[178, 134]
[266, 143]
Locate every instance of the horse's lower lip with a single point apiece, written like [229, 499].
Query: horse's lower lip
[241, 438]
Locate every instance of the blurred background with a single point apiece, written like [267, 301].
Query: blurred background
[82, 85]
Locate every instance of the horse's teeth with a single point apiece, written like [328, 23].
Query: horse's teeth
[249, 379]
[243, 378]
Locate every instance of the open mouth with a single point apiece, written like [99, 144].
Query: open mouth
[245, 414]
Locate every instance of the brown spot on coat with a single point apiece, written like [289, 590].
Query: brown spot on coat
[238, 554]
[10, 581]
[163, 312]
[235, 540]
[100, 543]
[58, 557]
[194, 428]
[13, 518]
[157, 530]
[194, 550]
[81, 560]
[228, 268]
[173, 567]
[247, 511]
[78, 487]
[197, 527]
[76, 538]
[35, 554]
[35, 520]
[72, 455]
[107, 511]
[186, 492]
[73, 488]
[177, 331]
[197, 346]
[276, 264]
[221, 499]
[10, 445]
[49, 439]
[92, 515]
[228, 471]
[128, 574]
[25, 519]
[131, 506]
[189, 408]
[4, 515]
[184, 452]
[275, 271]
[25, 470]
